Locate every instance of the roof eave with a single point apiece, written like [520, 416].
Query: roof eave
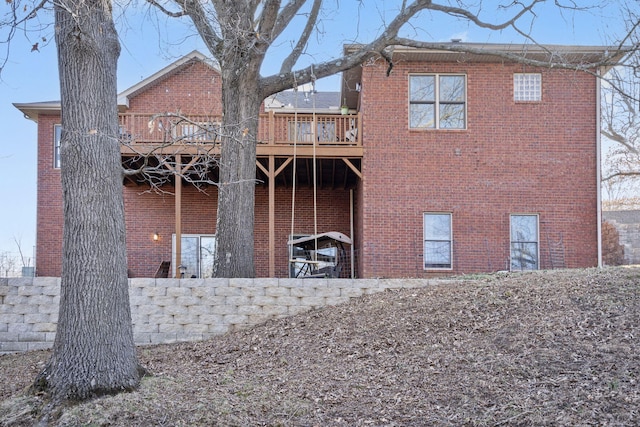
[459, 52]
[488, 52]
[33, 110]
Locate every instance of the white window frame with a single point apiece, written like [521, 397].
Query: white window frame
[425, 239]
[57, 137]
[513, 243]
[437, 102]
[198, 270]
[527, 87]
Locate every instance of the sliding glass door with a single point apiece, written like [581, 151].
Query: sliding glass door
[198, 252]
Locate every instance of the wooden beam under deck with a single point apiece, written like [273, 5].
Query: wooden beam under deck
[262, 150]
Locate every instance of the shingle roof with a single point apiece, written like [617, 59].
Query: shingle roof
[303, 101]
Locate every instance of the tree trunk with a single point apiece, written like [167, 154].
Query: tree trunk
[94, 351]
[236, 191]
[240, 56]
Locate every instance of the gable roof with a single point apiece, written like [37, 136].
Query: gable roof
[166, 72]
[32, 110]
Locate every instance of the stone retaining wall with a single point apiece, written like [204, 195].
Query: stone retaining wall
[170, 310]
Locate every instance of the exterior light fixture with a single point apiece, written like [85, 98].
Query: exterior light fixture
[183, 270]
[156, 237]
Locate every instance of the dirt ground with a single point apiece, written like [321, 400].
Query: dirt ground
[540, 348]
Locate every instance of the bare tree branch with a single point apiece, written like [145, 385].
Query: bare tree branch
[474, 18]
[277, 83]
[621, 174]
[389, 38]
[312, 19]
[14, 21]
[267, 19]
[621, 119]
[166, 11]
[158, 167]
[285, 16]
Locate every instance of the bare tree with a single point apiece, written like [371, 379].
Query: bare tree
[94, 351]
[25, 261]
[621, 126]
[239, 36]
[8, 264]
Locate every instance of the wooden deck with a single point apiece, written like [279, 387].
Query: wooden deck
[330, 136]
[175, 142]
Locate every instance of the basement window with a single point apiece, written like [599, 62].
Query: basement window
[524, 242]
[437, 241]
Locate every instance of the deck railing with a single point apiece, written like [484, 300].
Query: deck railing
[273, 129]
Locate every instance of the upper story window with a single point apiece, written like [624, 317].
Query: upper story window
[527, 87]
[437, 101]
[57, 135]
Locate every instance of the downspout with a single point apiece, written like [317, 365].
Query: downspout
[599, 165]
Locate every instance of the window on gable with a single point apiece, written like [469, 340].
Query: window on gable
[527, 87]
[524, 242]
[57, 136]
[437, 101]
[437, 241]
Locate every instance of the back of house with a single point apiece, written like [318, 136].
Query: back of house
[452, 163]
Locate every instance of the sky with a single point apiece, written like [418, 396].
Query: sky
[150, 42]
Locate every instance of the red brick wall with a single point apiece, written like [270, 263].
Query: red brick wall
[149, 213]
[49, 203]
[537, 158]
[193, 90]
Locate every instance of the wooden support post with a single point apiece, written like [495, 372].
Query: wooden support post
[272, 127]
[178, 213]
[271, 174]
[272, 217]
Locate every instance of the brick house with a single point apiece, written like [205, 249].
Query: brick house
[453, 163]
